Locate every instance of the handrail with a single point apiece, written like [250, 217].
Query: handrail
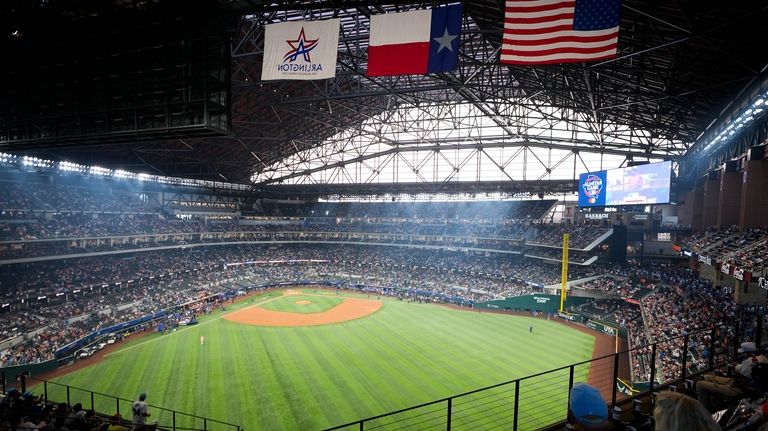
[359, 424]
[25, 379]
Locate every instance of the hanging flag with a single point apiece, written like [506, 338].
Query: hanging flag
[300, 50]
[559, 31]
[415, 43]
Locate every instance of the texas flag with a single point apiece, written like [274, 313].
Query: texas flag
[415, 43]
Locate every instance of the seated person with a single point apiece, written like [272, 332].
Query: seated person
[678, 412]
[587, 410]
[712, 387]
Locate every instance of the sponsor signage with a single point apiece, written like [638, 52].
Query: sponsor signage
[738, 273]
[571, 317]
[300, 50]
[541, 299]
[601, 328]
[641, 216]
[596, 216]
[625, 388]
[763, 283]
[725, 268]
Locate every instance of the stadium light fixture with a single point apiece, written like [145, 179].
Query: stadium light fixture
[65, 166]
[72, 167]
[36, 162]
[119, 173]
[98, 170]
[746, 117]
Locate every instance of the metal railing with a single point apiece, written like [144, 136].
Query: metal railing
[541, 400]
[167, 419]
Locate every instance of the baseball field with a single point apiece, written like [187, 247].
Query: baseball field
[311, 359]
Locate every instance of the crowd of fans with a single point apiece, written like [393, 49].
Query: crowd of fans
[636, 281]
[424, 211]
[28, 412]
[82, 225]
[56, 291]
[153, 231]
[151, 281]
[672, 302]
[580, 235]
[745, 249]
[671, 312]
[37, 213]
[20, 199]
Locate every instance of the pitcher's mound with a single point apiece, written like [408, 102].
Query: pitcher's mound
[349, 309]
[303, 302]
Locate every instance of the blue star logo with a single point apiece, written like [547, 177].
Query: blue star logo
[301, 47]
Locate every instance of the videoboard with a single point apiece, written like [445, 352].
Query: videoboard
[635, 185]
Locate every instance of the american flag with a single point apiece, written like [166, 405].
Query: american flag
[559, 31]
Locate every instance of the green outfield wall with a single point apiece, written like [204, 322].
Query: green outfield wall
[538, 302]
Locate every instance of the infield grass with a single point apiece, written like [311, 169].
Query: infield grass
[306, 378]
[302, 303]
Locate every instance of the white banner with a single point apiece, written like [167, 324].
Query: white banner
[300, 50]
[725, 268]
[705, 259]
[738, 273]
[763, 282]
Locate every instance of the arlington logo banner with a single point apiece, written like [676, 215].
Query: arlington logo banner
[300, 50]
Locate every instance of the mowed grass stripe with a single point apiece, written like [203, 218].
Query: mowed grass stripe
[329, 378]
[348, 371]
[314, 377]
[398, 369]
[406, 364]
[323, 386]
[275, 402]
[286, 354]
[413, 359]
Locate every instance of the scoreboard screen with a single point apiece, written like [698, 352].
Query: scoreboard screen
[635, 185]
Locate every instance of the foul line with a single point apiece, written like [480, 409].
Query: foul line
[195, 326]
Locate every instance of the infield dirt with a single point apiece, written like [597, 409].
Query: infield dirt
[349, 309]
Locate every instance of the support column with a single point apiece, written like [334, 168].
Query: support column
[697, 210]
[744, 293]
[711, 199]
[729, 205]
[685, 210]
[754, 195]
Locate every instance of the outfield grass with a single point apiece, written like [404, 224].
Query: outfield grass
[302, 303]
[276, 378]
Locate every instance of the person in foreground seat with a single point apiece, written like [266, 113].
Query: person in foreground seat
[140, 412]
[712, 389]
[678, 412]
[587, 410]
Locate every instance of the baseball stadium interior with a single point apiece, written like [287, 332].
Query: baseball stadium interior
[531, 241]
